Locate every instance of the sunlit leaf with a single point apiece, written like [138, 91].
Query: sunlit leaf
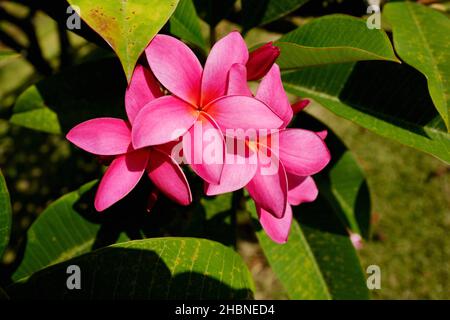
[333, 39]
[159, 268]
[128, 25]
[422, 39]
[388, 98]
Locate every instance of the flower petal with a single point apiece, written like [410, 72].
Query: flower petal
[203, 149]
[301, 189]
[302, 152]
[120, 178]
[162, 120]
[272, 93]
[237, 81]
[102, 136]
[241, 112]
[176, 67]
[276, 229]
[227, 51]
[268, 188]
[239, 168]
[168, 177]
[142, 89]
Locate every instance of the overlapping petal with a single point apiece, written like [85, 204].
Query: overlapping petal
[301, 189]
[242, 112]
[142, 89]
[276, 228]
[204, 149]
[269, 186]
[228, 51]
[302, 152]
[168, 177]
[239, 168]
[272, 93]
[102, 136]
[176, 67]
[237, 81]
[120, 178]
[162, 120]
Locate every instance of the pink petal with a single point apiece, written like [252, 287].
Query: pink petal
[237, 81]
[268, 188]
[322, 134]
[241, 112]
[301, 189]
[239, 168]
[204, 149]
[227, 51]
[276, 229]
[272, 93]
[102, 136]
[162, 120]
[168, 177]
[142, 89]
[261, 60]
[176, 67]
[120, 178]
[302, 152]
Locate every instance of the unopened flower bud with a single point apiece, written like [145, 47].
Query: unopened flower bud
[261, 60]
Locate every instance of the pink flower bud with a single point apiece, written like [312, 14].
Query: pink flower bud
[356, 240]
[300, 105]
[261, 60]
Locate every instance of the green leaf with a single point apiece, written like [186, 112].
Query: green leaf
[342, 183]
[67, 228]
[388, 98]
[58, 103]
[8, 54]
[128, 25]
[318, 261]
[213, 11]
[5, 215]
[185, 24]
[260, 12]
[421, 39]
[333, 39]
[159, 268]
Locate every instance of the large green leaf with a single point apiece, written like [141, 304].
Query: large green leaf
[185, 24]
[259, 12]
[422, 38]
[333, 39]
[342, 183]
[5, 215]
[159, 268]
[58, 103]
[128, 25]
[388, 98]
[318, 261]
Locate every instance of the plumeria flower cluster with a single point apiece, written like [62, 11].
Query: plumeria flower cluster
[210, 120]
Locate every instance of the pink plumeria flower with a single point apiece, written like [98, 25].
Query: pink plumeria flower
[108, 137]
[298, 155]
[198, 95]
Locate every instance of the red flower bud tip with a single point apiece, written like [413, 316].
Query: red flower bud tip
[152, 198]
[261, 60]
[300, 105]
